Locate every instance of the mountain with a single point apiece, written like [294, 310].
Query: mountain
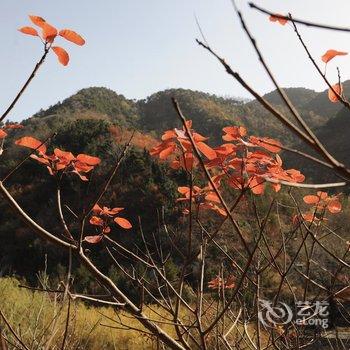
[321, 105]
[334, 135]
[98, 121]
[95, 103]
[150, 117]
[210, 113]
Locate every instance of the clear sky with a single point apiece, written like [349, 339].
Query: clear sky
[138, 47]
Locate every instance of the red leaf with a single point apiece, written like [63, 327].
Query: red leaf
[206, 150]
[311, 199]
[31, 142]
[68, 156]
[183, 189]
[123, 223]
[334, 206]
[93, 239]
[72, 36]
[330, 54]
[165, 153]
[29, 31]
[97, 221]
[3, 134]
[82, 167]
[97, 209]
[61, 54]
[49, 32]
[257, 185]
[267, 143]
[113, 211]
[38, 21]
[278, 18]
[89, 160]
[338, 88]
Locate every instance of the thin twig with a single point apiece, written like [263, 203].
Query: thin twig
[32, 75]
[300, 21]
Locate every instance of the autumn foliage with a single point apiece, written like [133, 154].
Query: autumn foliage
[48, 35]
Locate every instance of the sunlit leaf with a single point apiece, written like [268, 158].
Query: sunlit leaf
[31, 142]
[72, 36]
[89, 160]
[278, 18]
[123, 223]
[338, 88]
[37, 20]
[61, 54]
[330, 54]
[93, 239]
[206, 150]
[311, 199]
[334, 206]
[3, 134]
[29, 31]
[97, 221]
[49, 32]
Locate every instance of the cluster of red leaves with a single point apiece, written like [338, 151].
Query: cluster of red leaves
[101, 218]
[220, 283]
[244, 162]
[247, 161]
[10, 126]
[204, 198]
[177, 146]
[320, 203]
[48, 35]
[338, 88]
[59, 160]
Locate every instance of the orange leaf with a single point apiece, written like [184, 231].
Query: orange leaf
[29, 31]
[311, 199]
[123, 223]
[183, 189]
[3, 134]
[212, 197]
[206, 150]
[330, 54]
[38, 21]
[334, 206]
[257, 185]
[95, 220]
[165, 153]
[322, 195]
[31, 142]
[93, 239]
[49, 32]
[338, 88]
[89, 160]
[267, 143]
[278, 18]
[72, 36]
[61, 54]
[97, 209]
[112, 211]
[64, 155]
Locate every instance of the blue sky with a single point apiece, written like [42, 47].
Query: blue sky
[138, 47]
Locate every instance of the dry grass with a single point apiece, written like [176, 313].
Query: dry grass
[40, 320]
